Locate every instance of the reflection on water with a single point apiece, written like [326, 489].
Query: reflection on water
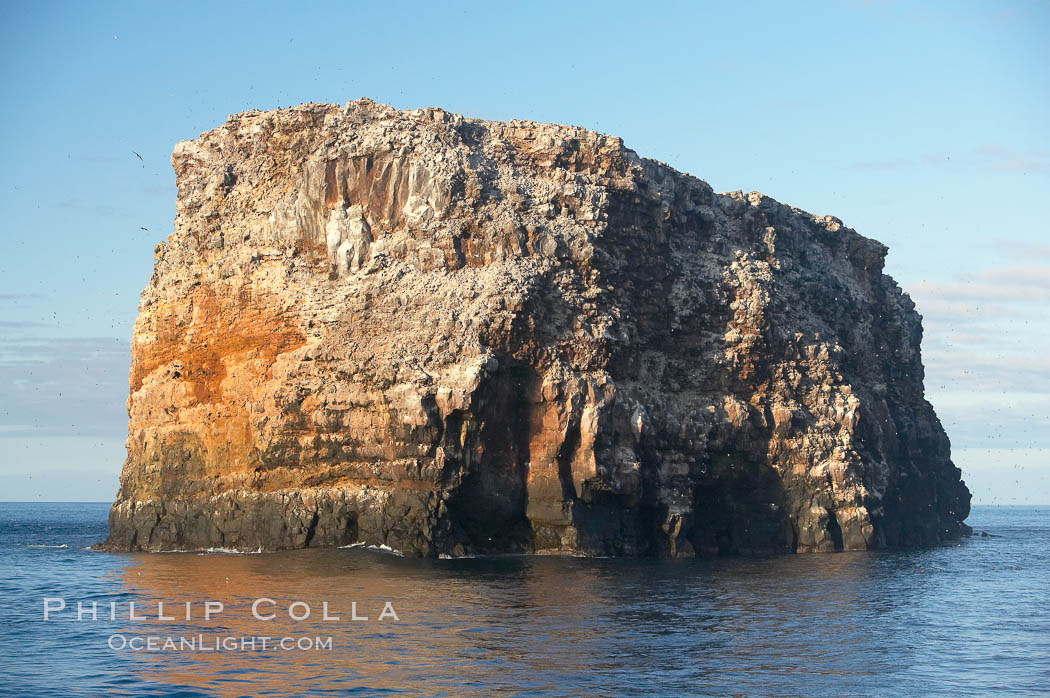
[967, 619]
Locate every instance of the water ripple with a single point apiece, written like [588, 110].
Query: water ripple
[971, 619]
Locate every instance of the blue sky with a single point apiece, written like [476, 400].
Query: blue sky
[926, 127]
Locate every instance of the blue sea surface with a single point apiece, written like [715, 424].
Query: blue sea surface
[965, 619]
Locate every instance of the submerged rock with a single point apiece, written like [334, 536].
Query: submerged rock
[454, 336]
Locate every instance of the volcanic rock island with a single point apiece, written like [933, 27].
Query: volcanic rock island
[455, 337]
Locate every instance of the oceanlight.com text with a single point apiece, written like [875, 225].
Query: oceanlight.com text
[217, 643]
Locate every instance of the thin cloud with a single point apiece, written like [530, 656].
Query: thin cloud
[19, 324]
[1028, 274]
[995, 374]
[63, 386]
[994, 425]
[985, 374]
[991, 157]
[988, 400]
[954, 310]
[44, 349]
[990, 291]
[895, 164]
[79, 205]
[1025, 250]
[999, 158]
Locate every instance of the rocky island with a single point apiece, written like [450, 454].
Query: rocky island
[453, 336]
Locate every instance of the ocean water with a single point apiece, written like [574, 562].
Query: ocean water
[966, 619]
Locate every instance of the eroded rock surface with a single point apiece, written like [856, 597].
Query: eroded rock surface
[454, 336]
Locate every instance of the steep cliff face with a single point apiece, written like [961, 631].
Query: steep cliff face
[454, 336]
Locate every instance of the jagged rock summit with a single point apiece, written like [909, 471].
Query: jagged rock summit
[455, 336]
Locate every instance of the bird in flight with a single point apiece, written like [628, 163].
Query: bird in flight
[138, 156]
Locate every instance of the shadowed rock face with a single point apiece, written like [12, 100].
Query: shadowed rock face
[454, 336]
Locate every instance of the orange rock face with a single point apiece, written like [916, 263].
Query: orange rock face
[453, 336]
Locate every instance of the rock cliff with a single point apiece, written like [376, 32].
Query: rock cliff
[454, 336]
